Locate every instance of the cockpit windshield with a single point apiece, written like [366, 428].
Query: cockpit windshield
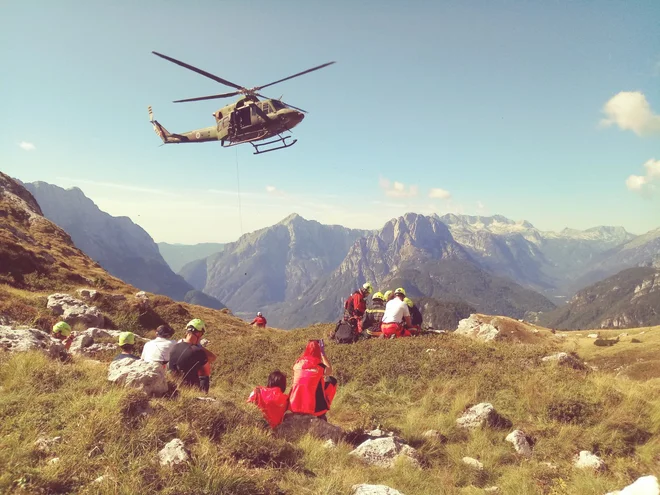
[277, 104]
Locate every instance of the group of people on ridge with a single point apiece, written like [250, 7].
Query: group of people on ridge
[312, 390]
[391, 315]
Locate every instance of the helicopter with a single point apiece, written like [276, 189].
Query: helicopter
[248, 120]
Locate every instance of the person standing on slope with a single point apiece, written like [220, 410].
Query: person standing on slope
[259, 320]
[373, 316]
[396, 317]
[313, 387]
[188, 357]
[158, 350]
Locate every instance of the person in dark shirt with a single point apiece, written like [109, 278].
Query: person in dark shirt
[127, 346]
[188, 357]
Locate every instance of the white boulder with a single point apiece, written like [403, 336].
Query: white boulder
[470, 461]
[28, 339]
[479, 415]
[74, 310]
[475, 328]
[520, 443]
[173, 453]
[646, 485]
[365, 489]
[147, 376]
[89, 294]
[384, 452]
[587, 460]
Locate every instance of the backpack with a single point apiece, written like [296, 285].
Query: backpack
[344, 333]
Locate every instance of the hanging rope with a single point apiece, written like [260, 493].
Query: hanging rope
[238, 182]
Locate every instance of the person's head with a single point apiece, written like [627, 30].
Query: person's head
[378, 297]
[127, 341]
[409, 302]
[61, 330]
[313, 350]
[195, 329]
[277, 379]
[388, 295]
[259, 313]
[400, 293]
[165, 331]
[367, 288]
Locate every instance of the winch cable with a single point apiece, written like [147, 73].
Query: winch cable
[238, 183]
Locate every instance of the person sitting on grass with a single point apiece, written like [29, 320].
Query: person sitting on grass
[62, 332]
[127, 346]
[188, 358]
[313, 387]
[158, 350]
[271, 400]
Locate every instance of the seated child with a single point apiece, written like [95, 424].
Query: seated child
[272, 400]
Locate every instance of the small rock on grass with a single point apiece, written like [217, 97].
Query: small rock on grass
[520, 442]
[587, 460]
[365, 489]
[173, 453]
[470, 461]
[646, 485]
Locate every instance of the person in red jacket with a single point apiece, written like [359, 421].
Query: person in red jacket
[356, 305]
[260, 321]
[271, 400]
[313, 387]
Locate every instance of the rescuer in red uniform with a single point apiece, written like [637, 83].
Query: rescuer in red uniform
[313, 387]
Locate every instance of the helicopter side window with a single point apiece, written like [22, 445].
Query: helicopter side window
[277, 105]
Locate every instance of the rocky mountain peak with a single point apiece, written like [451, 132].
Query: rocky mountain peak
[14, 193]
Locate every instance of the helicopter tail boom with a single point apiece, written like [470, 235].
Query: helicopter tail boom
[163, 133]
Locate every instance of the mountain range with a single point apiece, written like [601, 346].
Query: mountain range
[119, 245]
[178, 255]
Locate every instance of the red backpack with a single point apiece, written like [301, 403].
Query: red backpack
[272, 402]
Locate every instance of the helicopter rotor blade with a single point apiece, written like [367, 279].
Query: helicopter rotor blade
[259, 88]
[284, 102]
[212, 97]
[199, 71]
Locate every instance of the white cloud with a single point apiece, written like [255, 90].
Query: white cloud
[643, 183]
[438, 193]
[27, 146]
[397, 189]
[631, 111]
[274, 191]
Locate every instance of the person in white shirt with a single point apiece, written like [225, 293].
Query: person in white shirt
[396, 317]
[158, 349]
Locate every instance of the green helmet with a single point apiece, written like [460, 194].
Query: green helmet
[377, 295]
[400, 290]
[126, 338]
[367, 288]
[62, 328]
[197, 325]
[387, 295]
[408, 301]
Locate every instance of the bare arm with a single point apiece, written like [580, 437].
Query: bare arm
[408, 321]
[328, 366]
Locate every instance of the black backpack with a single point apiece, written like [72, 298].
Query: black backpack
[344, 333]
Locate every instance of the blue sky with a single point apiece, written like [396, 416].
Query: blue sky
[480, 107]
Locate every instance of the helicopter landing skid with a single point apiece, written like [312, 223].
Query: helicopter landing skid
[281, 139]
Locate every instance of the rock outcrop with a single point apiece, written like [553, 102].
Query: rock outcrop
[646, 485]
[28, 339]
[173, 454]
[135, 373]
[482, 414]
[564, 359]
[74, 311]
[384, 452]
[294, 426]
[520, 443]
[500, 328]
[365, 489]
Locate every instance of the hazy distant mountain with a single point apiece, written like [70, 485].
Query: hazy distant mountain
[631, 298]
[120, 246]
[420, 254]
[272, 265]
[178, 255]
[551, 262]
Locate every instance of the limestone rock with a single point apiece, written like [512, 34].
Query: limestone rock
[593, 335]
[294, 426]
[587, 460]
[520, 443]
[143, 299]
[470, 461]
[89, 294]
[480, 415]
[384, 452]
[27, 339]
[173, 453]
[74, 310]
[646, 485]
[434, 435]
[44, 444]
[365, 489]
[565, 359]
[149, 377]
[475, 328]
[492, 489]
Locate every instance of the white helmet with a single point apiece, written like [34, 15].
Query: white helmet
[258, 313]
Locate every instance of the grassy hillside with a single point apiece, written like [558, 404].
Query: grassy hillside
[398, 385]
